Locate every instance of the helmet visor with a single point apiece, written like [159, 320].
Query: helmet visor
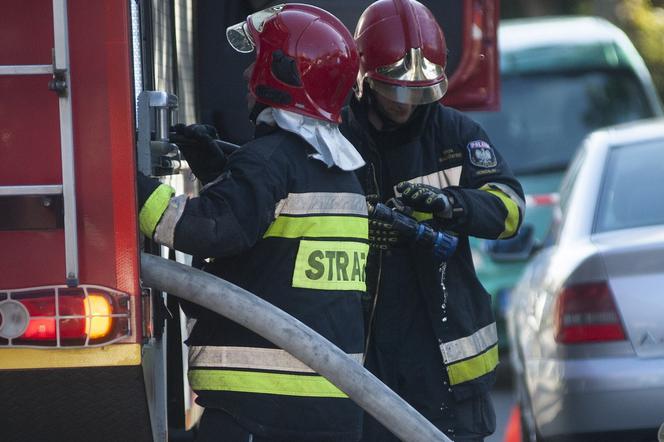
[239, 38]
[239, 35]
[415, 95]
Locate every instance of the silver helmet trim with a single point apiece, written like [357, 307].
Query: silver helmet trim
[414, 66]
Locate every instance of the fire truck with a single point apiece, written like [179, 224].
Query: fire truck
[88, 91]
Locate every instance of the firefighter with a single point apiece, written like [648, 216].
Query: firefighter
[285, 219]
[431, 331]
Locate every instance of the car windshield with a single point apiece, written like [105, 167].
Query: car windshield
[544, 116]
[631, 189]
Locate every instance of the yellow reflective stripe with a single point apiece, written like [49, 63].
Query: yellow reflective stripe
[422, 216]
[473, 368]
[266, 383]
[507, 190]
[331, 265]
[319, 227]
[107, 356]
[512, 219]
[154, 208]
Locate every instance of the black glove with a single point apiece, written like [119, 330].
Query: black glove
[145, 186]
[397, 227]
[205, 153]
[382, 234]
[425, 198]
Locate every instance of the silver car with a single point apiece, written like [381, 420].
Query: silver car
[586, 319]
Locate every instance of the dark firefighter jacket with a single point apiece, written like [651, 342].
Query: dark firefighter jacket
[443, 148]
[294, 232]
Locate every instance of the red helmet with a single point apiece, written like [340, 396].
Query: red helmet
[402, 52]
[306, 59]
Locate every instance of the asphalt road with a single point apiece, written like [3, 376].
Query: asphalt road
[503, 402]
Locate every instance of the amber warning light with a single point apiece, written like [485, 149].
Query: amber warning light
[63, 317]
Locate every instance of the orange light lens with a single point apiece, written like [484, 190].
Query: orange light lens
[98, 316]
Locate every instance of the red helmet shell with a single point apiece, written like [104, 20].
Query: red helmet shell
[401, 33]
[306, 61]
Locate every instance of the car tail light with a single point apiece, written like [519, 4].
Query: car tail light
[587, 313]
[63, 316]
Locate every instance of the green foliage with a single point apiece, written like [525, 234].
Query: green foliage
[643, 20]
[526, 8]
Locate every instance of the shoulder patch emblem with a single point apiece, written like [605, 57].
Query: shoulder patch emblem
[481, 154]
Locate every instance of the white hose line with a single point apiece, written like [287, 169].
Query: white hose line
[277, 326]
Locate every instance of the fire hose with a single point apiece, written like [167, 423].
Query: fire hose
[299, 340]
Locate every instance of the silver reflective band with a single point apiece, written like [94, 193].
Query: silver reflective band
[469, 346]
[165, 231]
[322, 203]
[440, 180]
[250, 358]
[409, 94]
[239, 38]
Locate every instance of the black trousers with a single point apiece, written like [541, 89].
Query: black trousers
[403, 352]
[218, 426]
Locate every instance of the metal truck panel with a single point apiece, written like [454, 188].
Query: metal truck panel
[97, 175]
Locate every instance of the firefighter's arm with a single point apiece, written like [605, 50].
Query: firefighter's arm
[491, 198]
[493, 211]
[488, 202]
[228, 217]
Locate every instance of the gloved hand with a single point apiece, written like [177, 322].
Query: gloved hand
[145, 186]
[205, 153]
[382, 234]
[425, 198]
[391, 225]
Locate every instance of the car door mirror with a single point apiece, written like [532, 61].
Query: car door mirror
[519, 248]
